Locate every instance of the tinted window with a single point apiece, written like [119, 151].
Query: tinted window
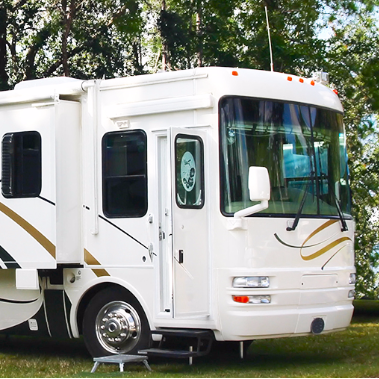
[21, 164]
[124, 174]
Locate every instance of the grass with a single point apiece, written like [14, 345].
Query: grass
[351, 353]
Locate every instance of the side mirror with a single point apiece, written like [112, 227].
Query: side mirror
[259, 183]
[259, 189]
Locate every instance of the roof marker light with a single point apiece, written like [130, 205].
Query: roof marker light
[301, 80]
[312, 83]
[289, 78]
[335, 91]
[235, 73]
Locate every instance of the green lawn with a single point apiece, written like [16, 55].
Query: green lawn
[351, 353]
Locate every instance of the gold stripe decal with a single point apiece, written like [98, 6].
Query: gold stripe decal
[92, 261]
[319, 229]
[30, 229]
[320, 251]
[324, 249]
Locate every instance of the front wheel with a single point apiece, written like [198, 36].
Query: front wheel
[115, 323]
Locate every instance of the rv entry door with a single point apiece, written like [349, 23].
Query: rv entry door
[190, 224]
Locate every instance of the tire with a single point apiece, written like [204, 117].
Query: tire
[115, 323]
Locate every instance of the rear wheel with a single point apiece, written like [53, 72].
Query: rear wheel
[115, 323]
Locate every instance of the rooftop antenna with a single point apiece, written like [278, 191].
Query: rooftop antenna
[269, 40]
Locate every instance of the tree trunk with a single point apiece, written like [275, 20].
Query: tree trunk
[199, 33]
[164, 44]
[67, 17]
[30, 65]
[4, 85]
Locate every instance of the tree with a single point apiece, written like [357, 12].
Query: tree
[3, 48]
[353, 61]
[198, 32]
[16, 20]
[68, 37]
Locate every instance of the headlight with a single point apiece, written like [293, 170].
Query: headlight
[251, 282]
[352, 278]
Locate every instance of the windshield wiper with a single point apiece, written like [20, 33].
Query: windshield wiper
[298, 214]
[337, 204]
[339, 210]
[340, 213]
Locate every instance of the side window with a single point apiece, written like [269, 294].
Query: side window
[124, 174]
[189, 169]
[21, 174]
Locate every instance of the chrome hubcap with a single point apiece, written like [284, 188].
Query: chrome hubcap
[118, 327]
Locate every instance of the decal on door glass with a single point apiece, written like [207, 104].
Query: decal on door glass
[188, 171]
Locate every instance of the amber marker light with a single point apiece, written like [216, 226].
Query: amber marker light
[252, 299]
[301, 80]
[335, 91]
[312, 83]
[289, 78]
[241, 299]
[235, 73]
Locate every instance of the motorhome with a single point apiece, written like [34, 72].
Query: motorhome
[210, 203]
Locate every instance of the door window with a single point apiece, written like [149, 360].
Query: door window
[189, 169]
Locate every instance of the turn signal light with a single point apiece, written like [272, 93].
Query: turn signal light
[241, 299]
[253, 299]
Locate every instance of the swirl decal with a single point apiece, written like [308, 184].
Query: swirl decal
[37, 235]
[321, 251]
[7, 259]
[324, 249]
[18, 301]
[91, 260]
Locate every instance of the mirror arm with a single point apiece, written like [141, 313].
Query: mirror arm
[251, 210]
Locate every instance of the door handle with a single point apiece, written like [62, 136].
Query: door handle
[181, 256]
[162, 234]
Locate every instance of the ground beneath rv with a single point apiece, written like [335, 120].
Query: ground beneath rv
[351, 353]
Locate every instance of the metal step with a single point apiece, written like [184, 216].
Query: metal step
[196, 333]
[193, 343]
[168, 353]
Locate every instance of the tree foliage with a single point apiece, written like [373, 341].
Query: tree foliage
[107, 38]
[353, 61]
[81, 38]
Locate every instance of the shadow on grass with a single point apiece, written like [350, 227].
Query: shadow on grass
[43, 346]
[366, 308]
[263, 356]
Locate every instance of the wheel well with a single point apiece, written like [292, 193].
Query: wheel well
[90, 294]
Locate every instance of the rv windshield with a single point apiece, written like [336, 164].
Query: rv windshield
[302, 146]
